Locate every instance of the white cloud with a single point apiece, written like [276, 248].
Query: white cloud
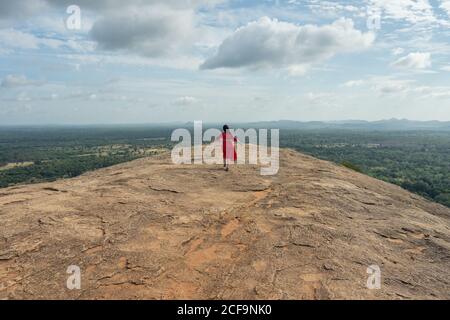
[272, 43]
[333, 8]
[20, 8]
[415, 60]
[298, 69]
[12, 38]
[397, 51]
[4, 52]
[381, 84]
[436, 92]
[185, 101]
[150, 31]
[23, 96]
[321, 99]
[353, 83]
[12, 81]
[102, 5]
[445, 5]
[412, 11]
[130, 60]
[140, 45]
[17, 39]
[387, 86]
[26, 8]
[391, 86]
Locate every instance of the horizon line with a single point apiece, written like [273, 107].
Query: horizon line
[214, 122]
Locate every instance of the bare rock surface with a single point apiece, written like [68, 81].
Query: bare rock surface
[149, 229]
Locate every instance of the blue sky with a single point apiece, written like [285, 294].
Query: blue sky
[149, 61]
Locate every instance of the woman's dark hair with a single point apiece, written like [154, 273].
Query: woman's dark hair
[225, 128]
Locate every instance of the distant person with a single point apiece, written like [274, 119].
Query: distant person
[228, 147]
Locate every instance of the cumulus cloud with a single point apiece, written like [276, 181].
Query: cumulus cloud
[20, 8]
[148, 31]
[150, 28]
[25, 8]
[272, 43]
[12, 81]
[114, 4]
[415, 60]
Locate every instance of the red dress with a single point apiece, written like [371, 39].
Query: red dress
[229, 146]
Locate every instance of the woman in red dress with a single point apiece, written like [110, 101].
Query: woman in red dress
[228, 147]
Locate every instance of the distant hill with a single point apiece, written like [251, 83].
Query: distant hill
[388, 125]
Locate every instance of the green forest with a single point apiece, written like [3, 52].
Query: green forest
[30, 155]
[418, 161]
